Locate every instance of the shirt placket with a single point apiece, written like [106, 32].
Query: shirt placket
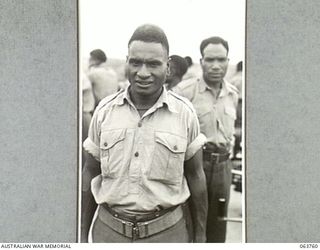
[214, 115]
[136, 160]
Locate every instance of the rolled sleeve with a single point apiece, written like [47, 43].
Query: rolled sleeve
[92, 148]
[195, 145]
[195, 139]
[92, 143]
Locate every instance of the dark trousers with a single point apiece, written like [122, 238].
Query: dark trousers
[218, 177]
[178, 233]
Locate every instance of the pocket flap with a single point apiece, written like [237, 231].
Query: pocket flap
[111, 137]
[174, 143]
[230, 111]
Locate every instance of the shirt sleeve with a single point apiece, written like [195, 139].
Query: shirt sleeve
[92, 143]
[196, 140]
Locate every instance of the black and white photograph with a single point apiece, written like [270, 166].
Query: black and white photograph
[159, 122]
[162, 155]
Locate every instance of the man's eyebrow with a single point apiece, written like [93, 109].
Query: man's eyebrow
[216, 57]
[152, 61]
[135, 60]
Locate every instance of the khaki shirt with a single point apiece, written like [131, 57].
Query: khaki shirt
[142, 158]
[216, 114]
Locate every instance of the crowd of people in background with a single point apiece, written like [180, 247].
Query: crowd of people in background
[204, 92]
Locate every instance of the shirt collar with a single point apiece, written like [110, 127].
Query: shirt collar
[163, 99]
[225, 90]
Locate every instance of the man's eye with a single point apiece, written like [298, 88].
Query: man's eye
[209, 60]
[153, 64]
[222, 60]
[135, 63]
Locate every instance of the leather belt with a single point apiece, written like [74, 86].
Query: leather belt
[139, 229]
[215, 157]
[137, 218]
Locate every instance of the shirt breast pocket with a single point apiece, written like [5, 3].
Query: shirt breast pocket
[230, 111]
[229, 120]
[112, 152]
[168, 158]
[205, 120]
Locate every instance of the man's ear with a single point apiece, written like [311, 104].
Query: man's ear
[168, 72]
[200, 61]
[228, 60]
[127, 59]
[168, 67]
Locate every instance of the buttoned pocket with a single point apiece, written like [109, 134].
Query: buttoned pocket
[231, 112]
[112, 152]
[229, 121]
[168, 158]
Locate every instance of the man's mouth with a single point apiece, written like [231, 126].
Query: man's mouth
[144, 84]
[214, 74]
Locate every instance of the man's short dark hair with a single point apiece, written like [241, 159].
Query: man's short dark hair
[98, 54]
[213, 40]
[189, 60]
[239, 66]
[150, 33]
[180, 63]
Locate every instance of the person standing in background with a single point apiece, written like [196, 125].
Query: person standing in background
[236, 80]
[192, 71]
[104, 79]
[215, 101]
[178, 66]
[88, 105]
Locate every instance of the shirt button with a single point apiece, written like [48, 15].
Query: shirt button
[139, 124]
[105, 144]
[136, 154]
[175, 147]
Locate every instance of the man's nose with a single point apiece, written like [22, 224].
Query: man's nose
[143, 72]
[215, 65]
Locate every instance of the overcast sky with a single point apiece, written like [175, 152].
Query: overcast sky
[108, 24]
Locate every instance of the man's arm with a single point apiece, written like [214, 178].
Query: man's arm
[199, 198]
[88, 204]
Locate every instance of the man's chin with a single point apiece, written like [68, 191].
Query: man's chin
[214, 80]
[141, 91]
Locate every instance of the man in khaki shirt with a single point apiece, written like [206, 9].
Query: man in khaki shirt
[215, 101]
[145, 158]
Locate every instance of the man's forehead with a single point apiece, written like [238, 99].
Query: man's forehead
[152, 48]
[215, 50]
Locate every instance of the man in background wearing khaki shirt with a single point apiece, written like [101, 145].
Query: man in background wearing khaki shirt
[215, 101]
[145, 156]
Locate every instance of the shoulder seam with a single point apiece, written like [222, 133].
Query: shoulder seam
[187, 83]
[232, 87]
[108, 99]
[183, 99]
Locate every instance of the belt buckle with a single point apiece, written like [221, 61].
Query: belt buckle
[124, 224]
[215, 158]
[135, 232]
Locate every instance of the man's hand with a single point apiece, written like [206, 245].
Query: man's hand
[88, 205]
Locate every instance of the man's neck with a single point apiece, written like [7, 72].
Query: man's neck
[215, 85]
[144, 102]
